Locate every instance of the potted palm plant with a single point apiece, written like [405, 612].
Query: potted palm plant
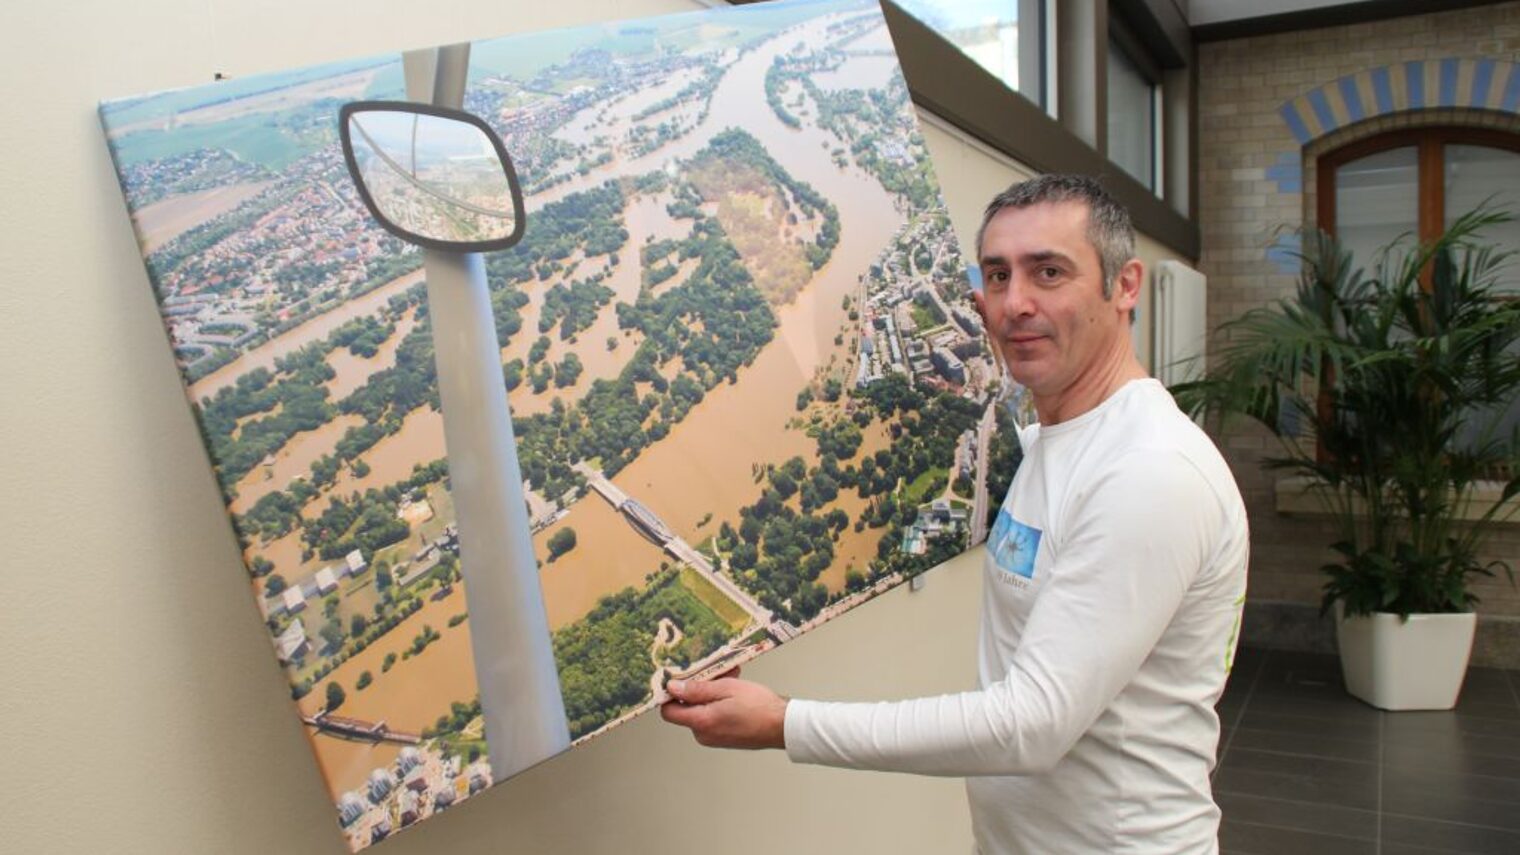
[1402, 375]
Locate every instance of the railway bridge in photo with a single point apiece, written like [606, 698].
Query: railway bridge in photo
[353, 728]
[648, 524]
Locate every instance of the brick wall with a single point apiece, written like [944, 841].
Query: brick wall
[1267, 107]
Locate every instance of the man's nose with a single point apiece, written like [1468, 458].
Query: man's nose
[1017, 298]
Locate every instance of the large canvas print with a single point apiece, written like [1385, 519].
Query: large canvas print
[748, 387]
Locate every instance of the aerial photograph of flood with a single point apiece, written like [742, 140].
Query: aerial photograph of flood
[749, 387]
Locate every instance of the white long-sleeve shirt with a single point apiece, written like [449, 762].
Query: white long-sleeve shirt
[1114, 581]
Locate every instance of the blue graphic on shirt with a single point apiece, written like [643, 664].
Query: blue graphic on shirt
[1014, 545]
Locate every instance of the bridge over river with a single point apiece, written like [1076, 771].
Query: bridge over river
[353, 728]
[647, 523]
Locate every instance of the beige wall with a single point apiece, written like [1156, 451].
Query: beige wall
[1245, 145]
[142, 709]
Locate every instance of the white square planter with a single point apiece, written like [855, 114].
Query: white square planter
[1416, 664]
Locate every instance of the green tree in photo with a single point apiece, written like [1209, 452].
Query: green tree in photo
[539, 349]
[561, 542]
[332, 633]
[335, 696]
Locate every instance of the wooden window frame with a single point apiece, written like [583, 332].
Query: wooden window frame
[1430, 144]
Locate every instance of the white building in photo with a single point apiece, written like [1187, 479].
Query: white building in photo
[292, 644]
[326, 581]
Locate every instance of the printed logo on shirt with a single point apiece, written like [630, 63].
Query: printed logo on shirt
[1014, 545]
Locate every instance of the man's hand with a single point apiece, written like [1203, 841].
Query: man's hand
[728, 713]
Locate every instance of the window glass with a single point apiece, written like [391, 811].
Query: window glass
[1002, 36]
[1131, 117]
[1377, 201]
[1476, 174]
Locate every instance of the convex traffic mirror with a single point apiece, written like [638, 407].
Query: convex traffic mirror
[432, 176]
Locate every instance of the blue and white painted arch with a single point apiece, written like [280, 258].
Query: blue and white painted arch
[1482, 83]
[1478, 83]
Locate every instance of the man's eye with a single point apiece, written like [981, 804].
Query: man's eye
[1048, 274]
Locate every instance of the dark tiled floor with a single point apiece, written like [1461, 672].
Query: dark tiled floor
[1304, 768]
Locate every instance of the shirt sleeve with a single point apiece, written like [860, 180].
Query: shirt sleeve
[1134, 546]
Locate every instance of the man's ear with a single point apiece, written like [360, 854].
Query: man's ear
[1127, 285]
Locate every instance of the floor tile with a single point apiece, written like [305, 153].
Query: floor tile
[1247, 661]
[1343, 708]
[1470, 799]
[1302, 816]
[1300, 677]
[1405, 722]
[1488, 686]
[1450, 739]
[1310, 744]
[1449, 836]
[1454, 754]
[1506, 711]
[1288, 776]
[1239, 838]
[1345, 728]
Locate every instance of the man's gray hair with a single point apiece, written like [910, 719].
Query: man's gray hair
[1109, 229]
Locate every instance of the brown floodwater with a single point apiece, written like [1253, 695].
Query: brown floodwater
[354, 371]
[293, 460]
[237, 430]
[609, 556]
[420, 440]
[855, 549]
[645, 218]
[284, 553]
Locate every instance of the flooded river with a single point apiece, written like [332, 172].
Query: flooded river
[704, 465]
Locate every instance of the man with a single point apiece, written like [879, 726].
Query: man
[1114, 578]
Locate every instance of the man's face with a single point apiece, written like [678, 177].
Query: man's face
[1043, 292]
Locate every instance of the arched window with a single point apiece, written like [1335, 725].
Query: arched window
[1418, 181]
